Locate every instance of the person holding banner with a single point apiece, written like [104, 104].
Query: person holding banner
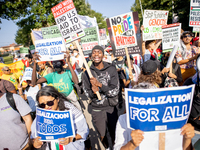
[135, 73]
[60, 79]
[44, 69]
[149, 48]
[12, 77]
[105, 80]
[186, 55]
[50, 99]
[128, 139]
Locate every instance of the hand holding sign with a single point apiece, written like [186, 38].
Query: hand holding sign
[137, 137]
[37, 143]
[65, 141]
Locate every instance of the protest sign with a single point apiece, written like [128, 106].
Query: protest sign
[170, 36]
[158, 109]
[16, 68]
[50, 49]
[152, 21]
[67, 20]
[102, 34]
[196, 29]
[194, 19]
[32, 49]
[23, 51]
[50, 32]
[90, 40]
[27, 74]
[124, 31]
[52, 125]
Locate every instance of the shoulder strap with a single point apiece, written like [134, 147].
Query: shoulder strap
[10, 99]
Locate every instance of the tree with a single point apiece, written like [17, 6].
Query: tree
[39, 15]
[13, 9]
[180, 8]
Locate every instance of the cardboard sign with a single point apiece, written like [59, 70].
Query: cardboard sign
[67, 20]
[90, 40]
[50, 32]
[196, 29]
[152, 21]
[170, 36]
[124, 31]
[194, 19]
[52, 125]
[50, 49]
[158, 109]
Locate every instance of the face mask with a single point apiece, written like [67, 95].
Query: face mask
[58, 69]
[75, 54]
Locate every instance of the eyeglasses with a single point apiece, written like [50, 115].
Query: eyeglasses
[49, 103]
[7, 70]
[187, 36]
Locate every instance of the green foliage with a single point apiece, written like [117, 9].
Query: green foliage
[181, 8]
[33, 14]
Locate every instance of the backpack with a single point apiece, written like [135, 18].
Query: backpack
[11, 102]
[170, 82]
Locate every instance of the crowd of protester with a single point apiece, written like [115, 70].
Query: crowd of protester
[59, 85]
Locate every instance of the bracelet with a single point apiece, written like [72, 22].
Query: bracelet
[20, 94]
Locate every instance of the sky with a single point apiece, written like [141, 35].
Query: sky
[108, 8]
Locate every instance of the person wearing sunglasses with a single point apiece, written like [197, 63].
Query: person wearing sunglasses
[50, 99]
[186, 56]
[9, 76]
[61, 79]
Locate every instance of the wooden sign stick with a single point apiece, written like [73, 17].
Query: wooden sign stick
[129, 64]
[195, 34]
[86, 65]
[161, 141]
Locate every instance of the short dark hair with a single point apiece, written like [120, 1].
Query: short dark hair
[187, 32]
[148, 42]
[51, 91]
[29, 56]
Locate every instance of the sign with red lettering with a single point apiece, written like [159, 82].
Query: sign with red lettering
[67, 20]
[194, 13]
[152, 21]
[90, 40]
[124, 32]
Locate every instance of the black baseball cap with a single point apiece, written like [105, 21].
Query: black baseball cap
[149, 67]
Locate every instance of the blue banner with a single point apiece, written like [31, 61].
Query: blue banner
[52, 125]
[158, 109]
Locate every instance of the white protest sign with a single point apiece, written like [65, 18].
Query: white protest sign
[27, 75]
[50, 49]
[194, 19]
[170, 36]
[67, 20]
[196, 29]
[152, 21]
[171, 57]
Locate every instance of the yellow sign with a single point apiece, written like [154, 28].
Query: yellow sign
[17, 68]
